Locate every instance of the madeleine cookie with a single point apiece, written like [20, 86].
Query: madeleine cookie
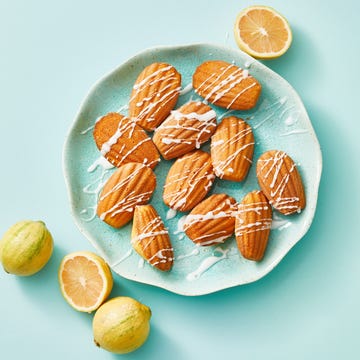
[154, 95]
[281, 182]
[232, 149]
[185, 129]
[212, 221]
[130, 185]
[252, 225]
[121, 141]
[151, 239]
[226, 85]
[188, 181]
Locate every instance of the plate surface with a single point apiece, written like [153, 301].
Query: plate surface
[279, 121]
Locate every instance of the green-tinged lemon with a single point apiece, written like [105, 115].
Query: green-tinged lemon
[121, 325]
[26, 247]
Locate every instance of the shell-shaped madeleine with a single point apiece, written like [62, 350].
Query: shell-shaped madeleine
[121, 141]
[252, 225]
[185, 129]
[130, 185]
[188, 181]
[232, 149]
[281, 182]
[154, 95]
[212, 221]
[226, 85]
[151, 239]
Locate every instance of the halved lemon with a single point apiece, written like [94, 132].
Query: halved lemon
[262, 32]
[85, 280]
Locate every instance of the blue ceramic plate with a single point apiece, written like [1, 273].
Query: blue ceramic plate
[279, 122]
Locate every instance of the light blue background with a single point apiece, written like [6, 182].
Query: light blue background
[51, 53]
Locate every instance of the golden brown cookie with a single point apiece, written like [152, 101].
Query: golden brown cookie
[151, 239]
[226, 85]
[121, 141]
[252, 225]
[212, 221]
[185, 129]
[130, 185]
[188, 181]
[154, 95]
[232, 149]
[281, 182]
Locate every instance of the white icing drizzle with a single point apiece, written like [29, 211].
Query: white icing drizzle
[211, 215]
[141, 263]
[94, 188]
[279, 224]
[126, 129]
[221, 146]
[122, 108]
[248, 63]
[179, 197]
[241, 92]
[149, 164]
[250, 227]
[173, 140]
[160, 258]
[207, 263]
[270, 111]
[87, 130]
[286, 110]
[278, 201]
[186, 89]
[171, 213]
[140, 85]
[194, 252]
[289, 121]
[158, 98]
[294, 132]
[220, 237]
[148, 233]
[124, 257]
[180, 225]
[134, 148]
[123, 127]
[102, 162]
[205, 124]
[91, 209]
[98, 118]
[224, 86]
[209, 115]
[127, 203]
[218, 142]
[224, 210]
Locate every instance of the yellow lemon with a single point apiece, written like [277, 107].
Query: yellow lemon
[121, 325]
[85, 280]
[262, 32]
[26, 247]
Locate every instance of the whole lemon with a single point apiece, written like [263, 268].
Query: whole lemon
[121, 325]
[26, 247]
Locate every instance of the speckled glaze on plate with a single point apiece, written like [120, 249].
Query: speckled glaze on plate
[279, 121]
